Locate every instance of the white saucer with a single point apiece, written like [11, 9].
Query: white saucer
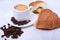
[33, 18]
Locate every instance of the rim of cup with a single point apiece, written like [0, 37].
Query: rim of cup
[22, 10]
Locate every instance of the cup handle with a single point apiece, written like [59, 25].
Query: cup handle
[31, 8]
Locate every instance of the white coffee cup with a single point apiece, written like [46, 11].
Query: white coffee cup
[22, 15]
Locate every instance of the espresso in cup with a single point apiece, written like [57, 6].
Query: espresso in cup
[21, 7]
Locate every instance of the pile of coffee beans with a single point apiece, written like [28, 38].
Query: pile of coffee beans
[12, 31]
[19, 22]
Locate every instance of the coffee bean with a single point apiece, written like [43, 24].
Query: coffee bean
[14, 36]
[4, 25]
[1, 28]
[8, 35]
[12, 30]
[5, 39]
[8, 24]
[2, 36]
[19, 22]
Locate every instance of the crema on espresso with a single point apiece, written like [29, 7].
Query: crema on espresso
[21, 7]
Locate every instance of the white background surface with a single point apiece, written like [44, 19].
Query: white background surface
[30, 33]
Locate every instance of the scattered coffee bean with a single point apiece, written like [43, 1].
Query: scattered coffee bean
[2, 36]
[12, 31]
[8, 24]
[1, 28]
[19, 22]
[4, 26]
[5, 39]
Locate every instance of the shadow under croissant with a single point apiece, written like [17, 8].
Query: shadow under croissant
[48, 29]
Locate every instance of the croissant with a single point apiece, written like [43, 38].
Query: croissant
[58, 22]
[38, 6]
[47, 19]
